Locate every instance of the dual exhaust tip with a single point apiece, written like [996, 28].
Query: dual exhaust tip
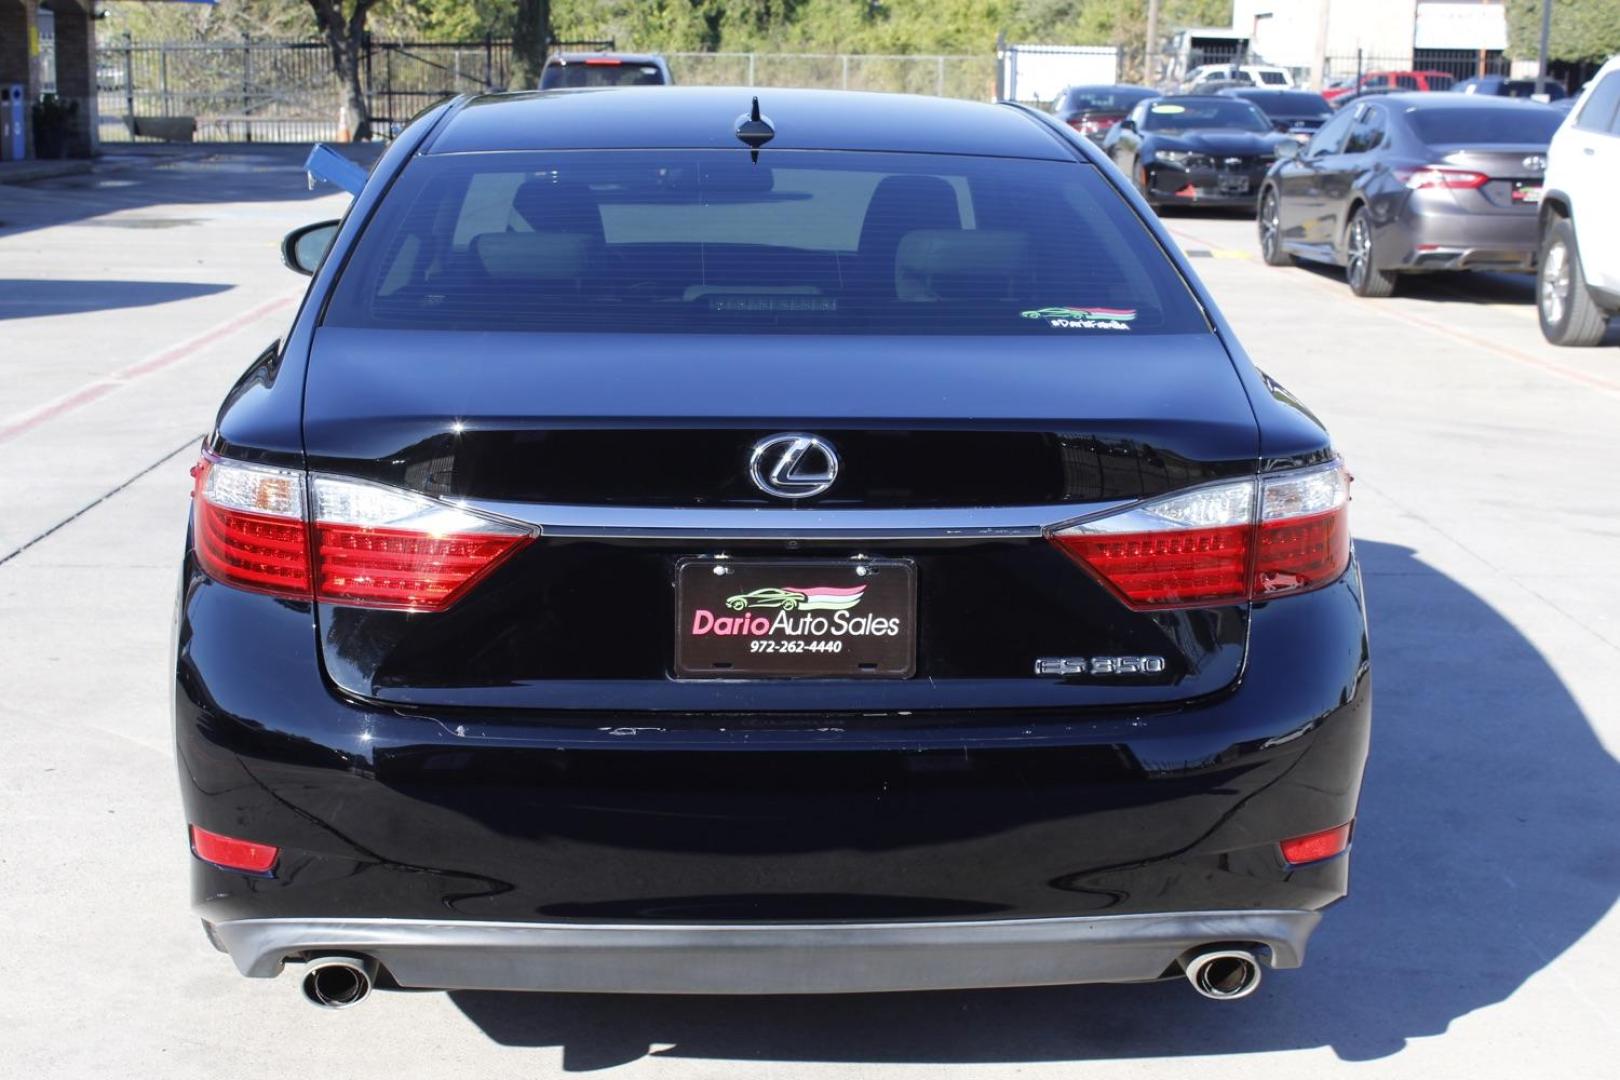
[339, 982]
[1223, 974]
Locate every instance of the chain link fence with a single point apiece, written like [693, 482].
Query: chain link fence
[284, 91]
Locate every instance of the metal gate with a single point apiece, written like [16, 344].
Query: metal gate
[285, 91]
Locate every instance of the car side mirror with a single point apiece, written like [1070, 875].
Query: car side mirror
[1289, 148]
[305, 248]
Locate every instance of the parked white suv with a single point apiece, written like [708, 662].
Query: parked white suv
[1578, 284]
[1262, 75]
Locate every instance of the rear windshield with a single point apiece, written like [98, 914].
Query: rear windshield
[1486, 126]
[799, 242]
[585, 73]
[1188, 114]
[1119, 99]
[1290, 103]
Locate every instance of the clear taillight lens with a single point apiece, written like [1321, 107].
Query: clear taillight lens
[1223, 543]
[341, 541]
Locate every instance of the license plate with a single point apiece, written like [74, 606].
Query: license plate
[1526, 193]
[813, 618]
[1233, 185]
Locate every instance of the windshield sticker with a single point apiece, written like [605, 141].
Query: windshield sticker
[1167, 109]
[1086, 318]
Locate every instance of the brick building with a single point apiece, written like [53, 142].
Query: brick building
[65, 53]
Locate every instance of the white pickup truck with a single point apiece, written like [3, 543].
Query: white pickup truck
[1578, 284]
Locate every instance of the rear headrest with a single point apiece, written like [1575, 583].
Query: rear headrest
[902, 204]
[933, 264]
[549, 206]
[532, 256]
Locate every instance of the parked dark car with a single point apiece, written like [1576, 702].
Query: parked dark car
[1292, 112]
[1501, 86]
[1196, 150]
[1092, 110]
[487, 671]
[1413, 183]
[595, 71]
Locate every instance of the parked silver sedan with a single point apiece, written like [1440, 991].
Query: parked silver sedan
[1412, 183]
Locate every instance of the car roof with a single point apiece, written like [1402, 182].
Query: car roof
[623, 58]
[1177, 98]
[1431, 101]
[705, 117]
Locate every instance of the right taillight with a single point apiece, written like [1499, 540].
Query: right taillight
[339, 540]
[1223, 543]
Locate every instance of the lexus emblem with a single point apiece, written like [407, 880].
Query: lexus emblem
[792, 466]
[1535, 163]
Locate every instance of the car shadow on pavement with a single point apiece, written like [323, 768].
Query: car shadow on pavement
[176, 177]
[29, 298]
[1483, 851]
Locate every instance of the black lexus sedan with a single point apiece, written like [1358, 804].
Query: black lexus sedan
[1196, 150]
[1413, 183]
[1092, 110]
[829, 543]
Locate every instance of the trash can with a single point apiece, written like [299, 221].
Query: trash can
[13, 122]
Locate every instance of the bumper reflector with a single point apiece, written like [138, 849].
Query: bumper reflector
[231, 853]
[1317, 846]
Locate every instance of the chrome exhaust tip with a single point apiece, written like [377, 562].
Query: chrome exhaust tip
[337, 982]
[1223, 974]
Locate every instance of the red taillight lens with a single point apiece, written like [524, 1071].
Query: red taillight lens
[1438, 176]
[1223, 543]
[231, 853]
[1094, 125]
[1299, 554]
[1316, 846]
[1163, 569]
[374, 546]
[395, 568]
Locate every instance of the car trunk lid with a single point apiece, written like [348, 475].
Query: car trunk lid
[628, 454]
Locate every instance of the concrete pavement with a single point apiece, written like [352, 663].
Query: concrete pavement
[1479, 941]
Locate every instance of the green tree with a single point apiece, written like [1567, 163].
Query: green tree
[1581, 29]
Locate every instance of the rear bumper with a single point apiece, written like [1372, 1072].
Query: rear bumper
[460, 847]
[749, 959]
[1438, 237]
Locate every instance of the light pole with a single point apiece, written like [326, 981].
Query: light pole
[1546, 33]
[1150, 53]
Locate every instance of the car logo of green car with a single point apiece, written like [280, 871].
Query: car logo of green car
[786, 599]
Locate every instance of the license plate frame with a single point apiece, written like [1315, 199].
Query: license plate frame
[1233, 183]
[1527, 192]
[827, 619]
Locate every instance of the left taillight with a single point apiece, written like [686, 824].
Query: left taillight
[339, 540]
[249, 527]
[1226, 543]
